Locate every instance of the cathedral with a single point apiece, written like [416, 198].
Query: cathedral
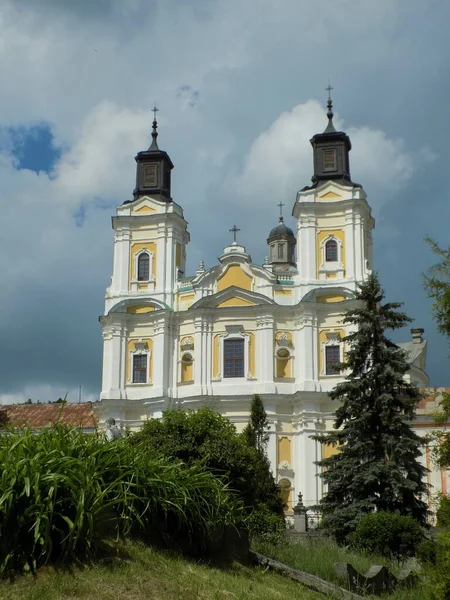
[220, 335]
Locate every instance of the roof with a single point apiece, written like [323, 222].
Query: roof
[35, 416]
[281, 230]
[413, 349]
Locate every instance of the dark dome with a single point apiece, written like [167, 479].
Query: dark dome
[281, 230]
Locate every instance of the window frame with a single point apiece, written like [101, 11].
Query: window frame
[333, 339]
[138, 370]
[141, 349]
[332, 244]
[146, 266]
[236, 360]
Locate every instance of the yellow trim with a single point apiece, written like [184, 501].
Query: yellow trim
[144, 209]
[330, 195]
[235, 301]
[284, 449]
[339, 234]
[327, 298]
[323, 339]
[283, 365]
[283, 292]
[216, 353]
[135, 249]
[234, 275]
[130, 347]
[252, 353]
[140, 310]
[187, 371]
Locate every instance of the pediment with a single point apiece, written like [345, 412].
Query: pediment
[328, 295]
[333, 191]
[146, 205]
[138, 306]
[232, 297]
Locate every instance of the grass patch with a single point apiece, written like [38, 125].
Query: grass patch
[318, 556]
[147, 573]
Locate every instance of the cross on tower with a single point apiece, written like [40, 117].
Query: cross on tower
[281, 209]
[234, 230]
[328, 89]
[154, 110]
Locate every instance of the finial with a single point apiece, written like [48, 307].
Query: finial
[330, 127]
[280, 205]
[154, 145]
[201, 266]
[234, 230]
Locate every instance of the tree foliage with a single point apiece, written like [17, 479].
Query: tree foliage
[256, 431]
[207, 437]
[437, 286]
[377, 467]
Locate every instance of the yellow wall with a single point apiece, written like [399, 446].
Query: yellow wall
[140, 310]
[283, 292]
[130, 348]
[143, 209]
[187, 371]
[251, 358]
[329, 195]
[328, 451]
[330, 298]
[283, 367]
[216, 353]
[135, 248]
[284, 449]
[234, 275]
[339, 234]
[235, 302]
[323, 339]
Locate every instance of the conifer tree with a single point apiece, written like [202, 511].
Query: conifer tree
[256, 430]
[377, 466]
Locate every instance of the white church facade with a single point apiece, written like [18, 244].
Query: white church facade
[237, 329]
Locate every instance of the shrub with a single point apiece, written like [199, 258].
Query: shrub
[62, 492]
[440, 574]
[443, 512]
[426, 552]
[205, 436]
[388, 534]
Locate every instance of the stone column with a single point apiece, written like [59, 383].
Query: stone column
[114, 364]
[300, 516]
[349, 245]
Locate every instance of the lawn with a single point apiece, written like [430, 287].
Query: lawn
[145, 573]
[318, 556]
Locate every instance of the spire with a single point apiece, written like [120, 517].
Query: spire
[331, 152]
[154, 145]
[330, 127]
[153, 169]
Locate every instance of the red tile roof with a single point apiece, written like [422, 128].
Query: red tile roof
[44, 415]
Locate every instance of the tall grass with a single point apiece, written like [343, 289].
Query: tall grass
[62, 492]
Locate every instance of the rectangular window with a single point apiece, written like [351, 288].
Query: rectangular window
[233, 358]
[150, 175]
[329, 160]
[140, 368]
[281, 251]
[332, 358]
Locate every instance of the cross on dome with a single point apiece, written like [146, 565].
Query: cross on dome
[234, 230]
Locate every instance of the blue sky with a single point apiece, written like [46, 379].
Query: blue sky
[240, 87]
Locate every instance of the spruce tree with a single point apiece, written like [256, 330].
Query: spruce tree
[377, 466]
[256, 430]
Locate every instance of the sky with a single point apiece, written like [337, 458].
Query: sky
[240, 85]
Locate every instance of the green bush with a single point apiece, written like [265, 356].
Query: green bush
[440, 574]
[62, 492]
[207, 438]
[388, 534]
[443, 512]
[426, 552]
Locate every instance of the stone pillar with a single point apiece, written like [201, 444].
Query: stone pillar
[349, 245]
[114, 362]
[300, 516]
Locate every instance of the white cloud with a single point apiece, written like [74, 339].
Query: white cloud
[280, 159]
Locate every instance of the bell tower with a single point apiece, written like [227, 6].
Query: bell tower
[153, 172]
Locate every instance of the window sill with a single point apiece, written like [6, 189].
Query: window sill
[284, 379]
[133, 383]
[186, 382]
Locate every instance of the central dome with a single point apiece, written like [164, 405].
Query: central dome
[281, 230]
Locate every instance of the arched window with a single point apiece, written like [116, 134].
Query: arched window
[283, 363]
[186, 368]
[331, 251]
[143, 267]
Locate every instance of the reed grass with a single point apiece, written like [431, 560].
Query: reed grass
[62, 492]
